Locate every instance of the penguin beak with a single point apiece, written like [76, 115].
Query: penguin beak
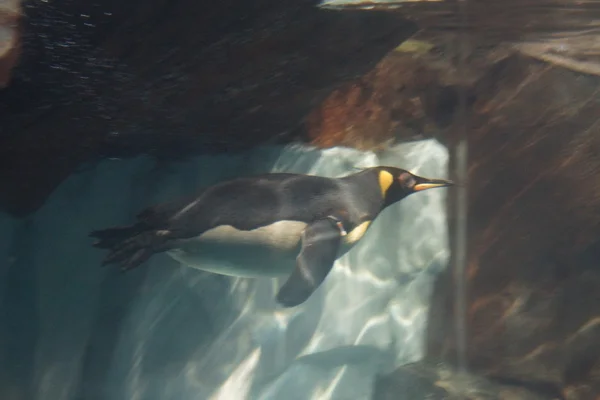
[425, 184]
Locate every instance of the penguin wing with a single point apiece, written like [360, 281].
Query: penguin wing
[320, 244]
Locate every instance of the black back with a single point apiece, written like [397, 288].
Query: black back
[248, 203]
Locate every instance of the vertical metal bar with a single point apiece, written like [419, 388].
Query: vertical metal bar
[460, 232]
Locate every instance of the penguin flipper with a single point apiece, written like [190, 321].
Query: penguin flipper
[320, 244]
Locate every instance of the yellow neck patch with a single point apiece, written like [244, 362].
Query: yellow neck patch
[355, 234]
[385, 181]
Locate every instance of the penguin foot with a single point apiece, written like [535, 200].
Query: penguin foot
[111, 237]
[130, 252]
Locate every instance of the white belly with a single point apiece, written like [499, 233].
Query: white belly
[267, 251]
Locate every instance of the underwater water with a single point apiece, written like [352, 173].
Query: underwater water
[484, 291]
[70, 329]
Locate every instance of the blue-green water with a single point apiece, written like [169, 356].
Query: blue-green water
[165, 331]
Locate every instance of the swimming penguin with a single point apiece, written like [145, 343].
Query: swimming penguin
[276, 224]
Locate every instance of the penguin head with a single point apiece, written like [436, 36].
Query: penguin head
[396, 183]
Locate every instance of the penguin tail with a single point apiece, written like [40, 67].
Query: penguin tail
[129, 246]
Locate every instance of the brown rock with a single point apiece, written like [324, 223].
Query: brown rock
[534, 224]
[424, 380]
[381, 106]
[10, 38]
[412, 93]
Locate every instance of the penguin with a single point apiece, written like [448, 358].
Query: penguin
[270, 225]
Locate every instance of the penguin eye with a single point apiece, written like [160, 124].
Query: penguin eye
[407, 180]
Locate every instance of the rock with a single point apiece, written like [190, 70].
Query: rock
[534, 224]
[409, 95]
[10, 41]
[170, 79]
[533, 227]
[375, 109]
[579, 52]
[493, 21]
[439, 381]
